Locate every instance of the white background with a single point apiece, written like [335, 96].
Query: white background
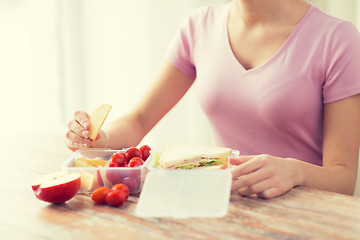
[58, 56]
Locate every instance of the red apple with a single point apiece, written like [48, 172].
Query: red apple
[99, 178]
[57, 187]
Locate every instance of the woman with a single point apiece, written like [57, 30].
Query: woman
[277, 79]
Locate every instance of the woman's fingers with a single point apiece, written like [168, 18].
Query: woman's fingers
[263, 175]
[76, 138]
[240, 160]
[78, 133]
[73, 140]
[75, 127]
[83, 118]
[247, 164]
[256, 188]
[251, 180]
[271, 193]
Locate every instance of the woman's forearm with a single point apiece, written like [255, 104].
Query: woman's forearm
[123, 132]
[336, 178]
[169, 87]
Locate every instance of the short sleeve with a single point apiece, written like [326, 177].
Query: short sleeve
[343, 64]
[180, 52]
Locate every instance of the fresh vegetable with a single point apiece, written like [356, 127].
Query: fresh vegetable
[99, 194]
[119, 158]
[145, 152]
[115, 198]
[156, 156]
[135, 161]
[113, 164]
[131, 183]
[133, 152]
[133, 157]
[122, 187]
[198, 164]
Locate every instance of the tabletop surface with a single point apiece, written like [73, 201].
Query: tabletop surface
[302, 213]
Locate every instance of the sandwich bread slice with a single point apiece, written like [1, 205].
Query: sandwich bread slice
[194, 157]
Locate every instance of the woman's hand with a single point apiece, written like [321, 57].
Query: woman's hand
[264, 175]
[78, 132]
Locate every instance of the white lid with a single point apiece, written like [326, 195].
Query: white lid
[185, 194]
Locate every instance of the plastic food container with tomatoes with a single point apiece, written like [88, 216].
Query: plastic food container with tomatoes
[93, 177]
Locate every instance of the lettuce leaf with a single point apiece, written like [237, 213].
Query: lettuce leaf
[156, 156]
[199, 164]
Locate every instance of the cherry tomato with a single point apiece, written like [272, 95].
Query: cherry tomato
[115, 175]
[118, 158]
[121, 187]
[116, 198]
[113, 164]
[132, 152]
[145, 152]
[99, 194]
[131, 183]
[135, 162]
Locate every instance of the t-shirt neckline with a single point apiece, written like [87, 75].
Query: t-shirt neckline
[275, 56]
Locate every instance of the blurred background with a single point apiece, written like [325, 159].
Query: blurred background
[58, 56]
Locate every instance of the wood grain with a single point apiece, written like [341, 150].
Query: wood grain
[302, 213]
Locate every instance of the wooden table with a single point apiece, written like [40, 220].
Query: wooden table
[302, 213]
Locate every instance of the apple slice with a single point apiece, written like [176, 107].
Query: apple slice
[102, 173]
[88, 181]
[46, 178]
[98, 162]
[57, 187]
[97, 119]
[82, 162]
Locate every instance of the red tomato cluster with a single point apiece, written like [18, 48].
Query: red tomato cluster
[133, 157]
[115, 196]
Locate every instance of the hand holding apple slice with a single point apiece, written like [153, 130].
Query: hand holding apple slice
[97, 119]
[57, 187]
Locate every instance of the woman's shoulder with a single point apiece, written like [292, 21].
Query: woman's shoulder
[326, 23]
[208, 12]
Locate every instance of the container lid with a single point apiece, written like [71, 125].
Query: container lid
[185, 194]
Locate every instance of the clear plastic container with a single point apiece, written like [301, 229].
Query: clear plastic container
[150, 162]
[185, 194]
[93, 177]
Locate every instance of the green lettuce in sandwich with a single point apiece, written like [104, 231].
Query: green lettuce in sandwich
[193, 157]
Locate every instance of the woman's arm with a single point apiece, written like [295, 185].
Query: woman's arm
[269, 176]
[340, 148]
[169, 86]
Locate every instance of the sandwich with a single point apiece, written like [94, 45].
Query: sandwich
[194, 157]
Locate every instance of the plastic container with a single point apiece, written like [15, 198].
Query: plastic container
[150, 162]
[185, 194]
[93, 177]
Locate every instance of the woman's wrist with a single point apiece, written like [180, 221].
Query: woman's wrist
[102, 141]
[299, 177]
[336, 179]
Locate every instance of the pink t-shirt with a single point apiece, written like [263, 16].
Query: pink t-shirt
[276, 108]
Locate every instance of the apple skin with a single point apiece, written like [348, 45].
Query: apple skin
[60, 192]
[99, 178]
